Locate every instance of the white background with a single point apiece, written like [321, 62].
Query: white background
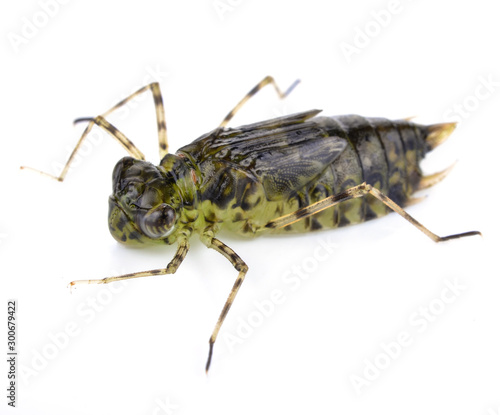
[145, 343]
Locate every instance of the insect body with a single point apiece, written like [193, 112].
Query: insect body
[288, 174]
[245, 178]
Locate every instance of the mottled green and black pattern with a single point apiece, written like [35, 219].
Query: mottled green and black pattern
[242, 178]
[296, 173]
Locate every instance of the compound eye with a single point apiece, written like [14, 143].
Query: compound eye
[158, 222]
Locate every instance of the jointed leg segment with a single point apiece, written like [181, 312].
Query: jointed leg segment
[268, 80]
[182, 250]
[159, 108]
[353, 193]
[119, 136]
[114, 132]
[242, 269]
[160, 119]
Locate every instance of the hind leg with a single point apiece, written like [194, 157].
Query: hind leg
[354, 192]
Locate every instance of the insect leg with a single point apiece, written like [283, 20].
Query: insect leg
[242, 269]
[160, 113]
[116, 133]
[266, 81]
[129, 146]
[182, 250]
[353, 193]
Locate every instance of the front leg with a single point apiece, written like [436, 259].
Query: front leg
[118, 135]
[242, 268]
[171, 268]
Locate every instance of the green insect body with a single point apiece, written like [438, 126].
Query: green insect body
[245, 177]
[296, 173]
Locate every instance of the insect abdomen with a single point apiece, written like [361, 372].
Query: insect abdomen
[380, 152]
[253, 176]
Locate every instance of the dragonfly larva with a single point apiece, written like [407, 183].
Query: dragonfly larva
[296, 173]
